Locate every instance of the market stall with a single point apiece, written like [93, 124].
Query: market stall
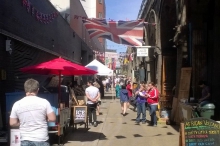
[59, 67]
[101, 69]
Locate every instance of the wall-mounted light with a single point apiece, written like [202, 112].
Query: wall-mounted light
[8, 46]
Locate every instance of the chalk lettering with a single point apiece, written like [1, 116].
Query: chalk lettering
[202, 136]
[187, 124]
[210, 143]
[192, 144]
[202, 132]
[191, 136]
[192, 140]
[214, 131]
[193, 132]
[211, 124]
[196, 123]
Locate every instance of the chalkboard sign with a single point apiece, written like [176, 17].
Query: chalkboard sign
[202, 132]
[80, 114]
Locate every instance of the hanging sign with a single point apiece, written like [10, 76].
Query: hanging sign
[142, 52]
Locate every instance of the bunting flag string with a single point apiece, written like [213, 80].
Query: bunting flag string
[97, 53]
[83, 17]
[41, 17]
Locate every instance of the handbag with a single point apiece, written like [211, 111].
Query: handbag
[133, 100]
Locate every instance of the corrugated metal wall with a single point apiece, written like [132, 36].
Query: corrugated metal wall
[24, 55]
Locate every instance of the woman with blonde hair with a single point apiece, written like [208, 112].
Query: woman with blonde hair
[140, 103]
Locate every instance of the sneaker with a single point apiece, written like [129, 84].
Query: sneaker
[90, 124]
[95, 124]
[155, 125]
[137, 122]
[144, 122]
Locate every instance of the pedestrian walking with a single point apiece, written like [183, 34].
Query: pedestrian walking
[121, 81]
[124, 99]
[97, 85]
[129, 89]
[107, 84]
[117, 90]
[92, 94]
[152, 100]
[140, 104]
[31, 115]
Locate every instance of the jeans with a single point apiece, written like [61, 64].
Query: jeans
[107, 86]
[141, 109]
[152, 110]
[34, 143]
[204, 102]
[92, 112]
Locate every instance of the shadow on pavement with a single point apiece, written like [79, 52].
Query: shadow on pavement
[109, 97]
[83, 135]
[176, 127]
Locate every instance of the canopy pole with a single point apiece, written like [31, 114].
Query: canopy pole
[112, 86]
[59, 89]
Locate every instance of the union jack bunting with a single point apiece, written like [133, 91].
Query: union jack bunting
[121, 32]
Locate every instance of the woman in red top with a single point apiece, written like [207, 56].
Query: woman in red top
[152, 100]
[129, 89]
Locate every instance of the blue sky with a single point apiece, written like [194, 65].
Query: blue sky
[121, 10]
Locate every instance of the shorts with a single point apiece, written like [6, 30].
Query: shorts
[123, 101]
[99, 103]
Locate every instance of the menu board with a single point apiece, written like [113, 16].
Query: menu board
[202, 132]
[80, 114]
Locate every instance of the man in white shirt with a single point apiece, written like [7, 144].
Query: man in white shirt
[92, 94]
[31, 114]
[107, 84]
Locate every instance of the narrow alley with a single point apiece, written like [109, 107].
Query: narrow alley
[115, 130]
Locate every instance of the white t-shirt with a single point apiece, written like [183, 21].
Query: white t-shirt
[32, 112]
[107, 81]
[93, 93]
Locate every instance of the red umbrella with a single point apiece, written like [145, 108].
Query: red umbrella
[59, 67]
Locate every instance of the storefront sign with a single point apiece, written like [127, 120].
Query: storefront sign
[80, 114]
[200, 132]
[142, 52]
